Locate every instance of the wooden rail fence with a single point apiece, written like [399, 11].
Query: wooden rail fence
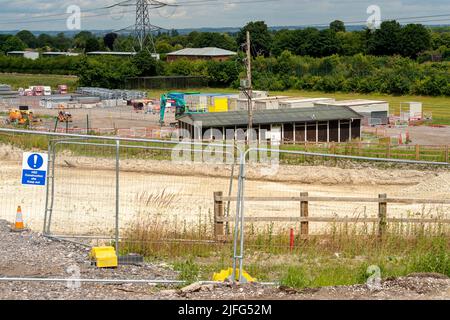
[304, 218]
[376, 150]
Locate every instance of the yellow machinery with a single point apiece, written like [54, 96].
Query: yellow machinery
[64, 117]
[22, 116]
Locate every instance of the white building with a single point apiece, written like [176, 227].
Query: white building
[25, 54]
[374, 111]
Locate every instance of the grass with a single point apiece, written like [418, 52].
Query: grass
[438, 106]
[19, 80]
[344, 255]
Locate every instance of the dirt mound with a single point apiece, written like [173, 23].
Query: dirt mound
[439, 183]
[8, 152]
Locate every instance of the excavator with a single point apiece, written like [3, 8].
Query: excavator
[181, 108]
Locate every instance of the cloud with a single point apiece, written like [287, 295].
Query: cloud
[22, 13]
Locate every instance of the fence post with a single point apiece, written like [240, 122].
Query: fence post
[446, 154]
[382, 216]
[218, 216]
[389, 149]
[304, 213]
[117, 195]
[417, 152]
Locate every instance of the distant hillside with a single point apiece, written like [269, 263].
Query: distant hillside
[206, 29]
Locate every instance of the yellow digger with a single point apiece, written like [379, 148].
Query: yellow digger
[22, 116]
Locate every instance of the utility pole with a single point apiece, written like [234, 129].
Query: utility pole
[249, 90]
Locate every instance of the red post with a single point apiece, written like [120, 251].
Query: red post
[292, 239]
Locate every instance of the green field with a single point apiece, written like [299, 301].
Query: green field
[17, 80]
[438, 106]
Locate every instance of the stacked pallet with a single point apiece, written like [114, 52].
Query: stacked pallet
[6, 91]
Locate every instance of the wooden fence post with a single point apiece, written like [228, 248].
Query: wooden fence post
[417, 152]
[388, 149]
[218, 216]
[304, 213]
[446, 153]
[382, 216]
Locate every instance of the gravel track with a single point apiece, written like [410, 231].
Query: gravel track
[31, 255]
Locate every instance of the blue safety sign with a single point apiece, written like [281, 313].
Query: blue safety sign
[34, 169]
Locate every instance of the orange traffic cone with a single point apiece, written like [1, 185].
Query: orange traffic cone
[19, 225]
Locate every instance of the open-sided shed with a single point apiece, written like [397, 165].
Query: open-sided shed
[318, 124]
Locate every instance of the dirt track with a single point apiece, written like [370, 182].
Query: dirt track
[30, 255]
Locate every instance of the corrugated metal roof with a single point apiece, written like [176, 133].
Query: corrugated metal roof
[113, 53]
[209, 52]
[356, 102]
[239, 118]
[60, 54]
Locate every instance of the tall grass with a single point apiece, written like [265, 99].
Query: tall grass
[340, 256]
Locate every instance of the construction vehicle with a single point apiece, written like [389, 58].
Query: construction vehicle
[22, 116]
[64, 117]
[174, 100]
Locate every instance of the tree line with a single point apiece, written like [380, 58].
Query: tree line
[394, 59]
[392, 38]
[359, 73]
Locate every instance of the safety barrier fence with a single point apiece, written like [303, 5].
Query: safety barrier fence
[131, 191]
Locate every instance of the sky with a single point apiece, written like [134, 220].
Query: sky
[51, 14]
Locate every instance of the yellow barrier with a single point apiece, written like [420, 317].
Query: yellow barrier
[105, 257]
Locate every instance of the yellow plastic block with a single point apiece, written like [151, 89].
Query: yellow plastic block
[225, 274]
[220, 105]
[105, 257]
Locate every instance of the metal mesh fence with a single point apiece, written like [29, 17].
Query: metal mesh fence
[132, 193]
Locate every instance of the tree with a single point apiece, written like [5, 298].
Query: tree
[81, 39]
[146, 65]
[305, 41]
[385, 41]
[44, 40]
[351, 43]
[163, 47]
[337, 26]
[13, 43]
[62, 43]
[92, 45]
[213, 39]
[415, 38]
[326, 44]
[260, 37]
[109, 40]
[284, 40]
[124, 43]
[28, 38]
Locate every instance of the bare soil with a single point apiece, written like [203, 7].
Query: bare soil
[31, 255]
[183, 192]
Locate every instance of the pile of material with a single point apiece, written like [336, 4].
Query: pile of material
[6, 91]
[107, 94]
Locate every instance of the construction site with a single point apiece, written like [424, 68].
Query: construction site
[203, 193]
[113, 182]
